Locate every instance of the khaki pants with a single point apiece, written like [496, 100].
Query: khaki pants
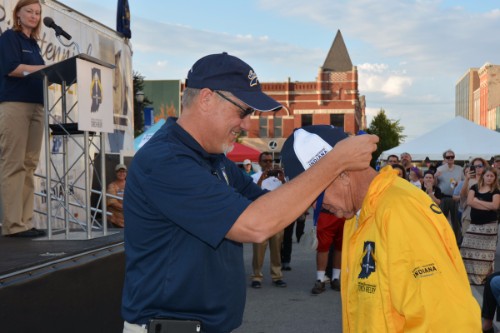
[21, 132]
[259, 251]
[133, 328]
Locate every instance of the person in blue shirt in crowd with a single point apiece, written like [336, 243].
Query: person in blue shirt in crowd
[21, 119]
[188, 209]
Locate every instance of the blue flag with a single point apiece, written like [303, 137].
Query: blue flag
[123, 19]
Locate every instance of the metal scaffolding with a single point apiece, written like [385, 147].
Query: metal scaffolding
[70, 167]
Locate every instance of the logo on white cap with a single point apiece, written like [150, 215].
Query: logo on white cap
[309, 147]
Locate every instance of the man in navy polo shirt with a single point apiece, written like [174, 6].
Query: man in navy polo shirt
[188, 209]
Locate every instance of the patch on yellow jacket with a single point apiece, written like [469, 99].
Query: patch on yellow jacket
[425, 271]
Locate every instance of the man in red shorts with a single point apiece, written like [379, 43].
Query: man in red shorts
[329, 232]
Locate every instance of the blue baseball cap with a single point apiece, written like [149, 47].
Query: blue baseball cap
[307, 145]
[228, 73]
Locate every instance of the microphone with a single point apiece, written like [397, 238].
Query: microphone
[49, 23]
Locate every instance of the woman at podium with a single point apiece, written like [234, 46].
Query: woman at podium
[21, 118]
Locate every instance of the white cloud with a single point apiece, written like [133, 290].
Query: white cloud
[161, 63]
[494, 14]
[375, 68]
[248, 36]
[378, 78]
[395, 85]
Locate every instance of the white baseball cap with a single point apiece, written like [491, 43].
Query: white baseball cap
[120, 167]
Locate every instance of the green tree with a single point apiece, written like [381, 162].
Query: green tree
[138, 81]
[389, 131]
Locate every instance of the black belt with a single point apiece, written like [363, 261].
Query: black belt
[447, 196]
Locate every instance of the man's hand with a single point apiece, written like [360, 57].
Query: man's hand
[355, 153]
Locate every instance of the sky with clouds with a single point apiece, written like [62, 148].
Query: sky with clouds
[409, 53]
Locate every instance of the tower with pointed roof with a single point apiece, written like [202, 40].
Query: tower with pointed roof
[338, 59]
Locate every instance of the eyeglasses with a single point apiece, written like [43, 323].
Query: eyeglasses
[450, 157]
[267, 161]
[244, 112]
[478, 165]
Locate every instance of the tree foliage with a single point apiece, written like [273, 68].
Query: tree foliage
[389, 131]
[138, 81]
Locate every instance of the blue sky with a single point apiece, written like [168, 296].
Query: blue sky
[409, 53]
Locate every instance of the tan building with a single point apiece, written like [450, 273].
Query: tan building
[464, 94]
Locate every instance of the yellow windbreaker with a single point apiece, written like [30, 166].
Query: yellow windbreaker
[401, 268]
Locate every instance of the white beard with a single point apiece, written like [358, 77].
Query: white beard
[226, 148]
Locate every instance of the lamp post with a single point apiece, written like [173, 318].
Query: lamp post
[139, 97]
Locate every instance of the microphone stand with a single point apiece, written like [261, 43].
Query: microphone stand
[74, 44]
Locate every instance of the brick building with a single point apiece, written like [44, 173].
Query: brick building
[477, 96]
[333, 98]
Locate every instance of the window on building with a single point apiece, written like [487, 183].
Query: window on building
[337, 120]
[278, 132]
[263, 127]
[497, 119]
[306, 119]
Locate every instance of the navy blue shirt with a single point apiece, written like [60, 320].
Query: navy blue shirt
[17, 49]
[179, 204]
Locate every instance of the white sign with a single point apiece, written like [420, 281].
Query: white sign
[95, 97]
[273, 145]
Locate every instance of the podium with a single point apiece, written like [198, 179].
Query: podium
[78, 133]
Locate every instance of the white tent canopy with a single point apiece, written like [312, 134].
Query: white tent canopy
[467, 139]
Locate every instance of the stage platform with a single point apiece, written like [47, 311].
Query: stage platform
[62, 285]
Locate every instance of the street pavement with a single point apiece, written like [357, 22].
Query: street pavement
[293, 309]
[272, 309]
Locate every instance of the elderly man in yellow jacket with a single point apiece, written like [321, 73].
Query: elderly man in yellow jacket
[401, 268]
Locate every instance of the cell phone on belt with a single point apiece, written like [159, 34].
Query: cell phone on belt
[163, 325]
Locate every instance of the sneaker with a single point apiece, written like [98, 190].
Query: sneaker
[318, 288]
[256, 284]
[335, 284]
[279, 283]
[286, 267]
